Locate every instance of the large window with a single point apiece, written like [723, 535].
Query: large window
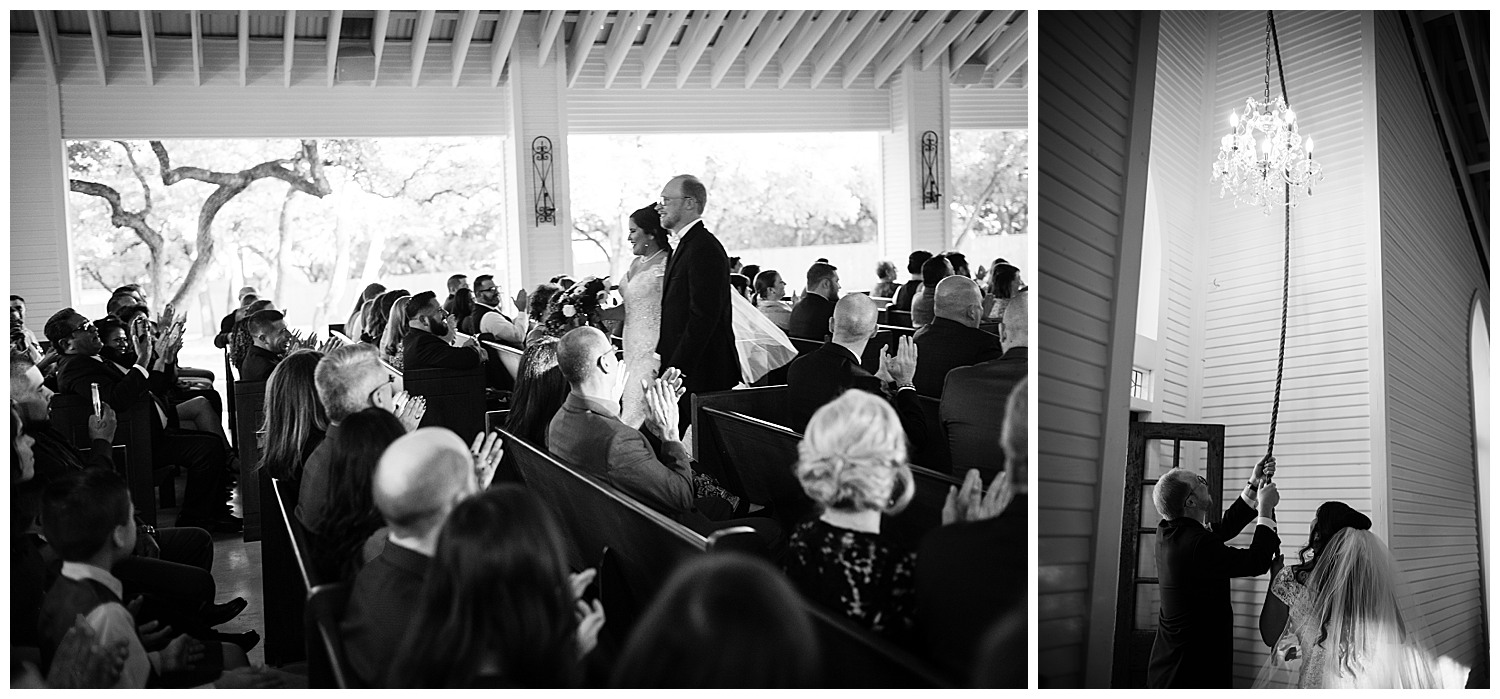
[776, 200]
[987, 199]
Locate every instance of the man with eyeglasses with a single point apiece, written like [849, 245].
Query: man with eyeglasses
[428, 345]
[125, 381]
[696, 334]
[488, 321]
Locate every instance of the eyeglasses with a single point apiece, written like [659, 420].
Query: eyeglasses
[88, 326]
[664, 200]
[389, 381]
[619, 355]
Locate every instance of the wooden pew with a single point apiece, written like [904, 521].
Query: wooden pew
[286, 576]
[327, 664]
[69, 415]
[250, 406]
[455, 399]
[897, 318]
[935, 455]
[504, 367]
[765, 402]
[758, 460]
[340, 336]
[992, 327]
[638, 548]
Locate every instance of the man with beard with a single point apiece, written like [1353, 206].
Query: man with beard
[428, 344]
[488, 322]
[124, 381]
[811, 314]
[268, 338]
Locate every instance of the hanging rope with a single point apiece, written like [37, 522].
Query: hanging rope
[1286, 257]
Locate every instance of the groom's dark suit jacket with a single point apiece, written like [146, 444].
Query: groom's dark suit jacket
[697, 336]
[1194, 644]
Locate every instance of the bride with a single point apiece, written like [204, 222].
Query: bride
[641, 288]
[1338, 618]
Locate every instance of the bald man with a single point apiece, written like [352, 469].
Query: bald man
[974, 397]
[953, 339]
[420, 478]
[822, 375]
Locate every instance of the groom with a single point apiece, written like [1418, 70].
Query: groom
[1194, 644]
[696, 334]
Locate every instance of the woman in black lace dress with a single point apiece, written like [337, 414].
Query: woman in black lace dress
[853, 464]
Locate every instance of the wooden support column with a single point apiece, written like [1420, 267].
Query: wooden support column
[919, 101]
[539, 107]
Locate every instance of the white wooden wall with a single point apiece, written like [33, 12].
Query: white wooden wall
[1430, 273]
[1094, 116]
[39, 265]
[1004, 107]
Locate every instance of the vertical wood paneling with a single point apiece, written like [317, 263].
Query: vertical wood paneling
[1430, 274]
[39, 266]
[1324, 433]
[1086, 69]
[539, 109]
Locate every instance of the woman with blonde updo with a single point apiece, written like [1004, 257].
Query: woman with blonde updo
[853, 464]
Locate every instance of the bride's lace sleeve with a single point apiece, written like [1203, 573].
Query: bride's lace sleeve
[1286, 588]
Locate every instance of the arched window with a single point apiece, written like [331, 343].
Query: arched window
[1479, 364]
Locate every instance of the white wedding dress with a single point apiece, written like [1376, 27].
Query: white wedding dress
[641, 288]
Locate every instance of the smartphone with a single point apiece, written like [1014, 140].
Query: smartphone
[94, 393]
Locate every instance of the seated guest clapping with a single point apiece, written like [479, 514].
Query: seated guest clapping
[428, 345]
[501, 568]
[974, 395]
[421, 477]
[953, 339]
[810, 316]
[349, 379]
[23, 341]
[969, 571]
[124, 382]
[489, 322]
[820, 376]
[268, 343]
[293, 420]
[351, 519]
[853, 464]
[722, 621]
[588, 433]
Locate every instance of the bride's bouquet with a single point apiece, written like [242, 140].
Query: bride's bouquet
[576, 307]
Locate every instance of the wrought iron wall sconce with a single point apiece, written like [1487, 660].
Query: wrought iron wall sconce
[930, 192]
[541, 180]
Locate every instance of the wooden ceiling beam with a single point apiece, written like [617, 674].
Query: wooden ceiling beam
[377, 40]
[695, 41]
[1474, 59]
[244, 44]
[663, 29]
[46, 29]
[965, 49]
[288, 45]
[582, 43]
[467, 22]
[734, 40]
[195, 20]
[505, 37]
[148, 45]
[551, 27]
[841, 42]
[99, 35]
[335, 27]
[903, 47]
[419, 39]
[802, 44]
[1012, 62]
[1007, 39]
[766, 41]
[937, 45]
[621, 38]
[878, 37]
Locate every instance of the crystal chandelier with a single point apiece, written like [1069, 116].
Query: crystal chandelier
[1265, 160]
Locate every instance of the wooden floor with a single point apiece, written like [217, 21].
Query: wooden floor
[236, 569]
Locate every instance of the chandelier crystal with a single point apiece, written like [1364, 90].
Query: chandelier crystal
[1265, 160]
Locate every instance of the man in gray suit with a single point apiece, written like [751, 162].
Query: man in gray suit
[588, 433]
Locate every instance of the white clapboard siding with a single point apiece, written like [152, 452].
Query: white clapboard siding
[1431, 274]
[661, 107]
[1324, 433]
[544, 250]
[1087, 97]
[985, 107]
[39, 267]
[1179, 175]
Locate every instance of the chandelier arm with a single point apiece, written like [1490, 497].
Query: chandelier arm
[1286, 277]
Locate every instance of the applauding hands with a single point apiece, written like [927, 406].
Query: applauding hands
[661, 403]
[969, 504]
